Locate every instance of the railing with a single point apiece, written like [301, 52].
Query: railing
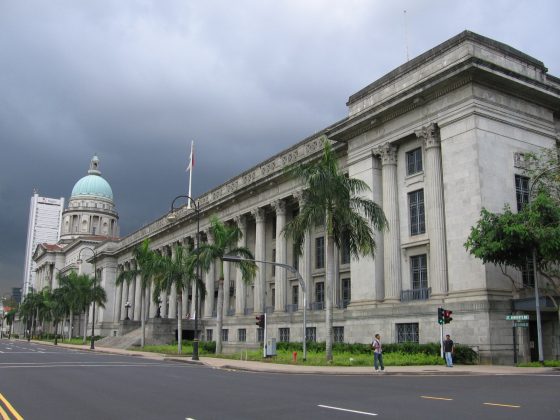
[317, 306]
[416, 294]
[248, 311]
[292, 308]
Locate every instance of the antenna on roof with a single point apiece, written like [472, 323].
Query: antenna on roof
[405, 34]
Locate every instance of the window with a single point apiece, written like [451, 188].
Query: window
[208, 335]
[414, 161]
[528, 273]
[407, 333]
[225, 333]
[274, 230]
[345, 252]
[296, 258]
[320, 292]
[346, 292]
[338, 334]
[273, 259]
[284, 334]
[419, 272]
[295, 295]
[320, 252]
[416, 210]
[242, 335]
[521, 191]
[311, 334]
[260, 335]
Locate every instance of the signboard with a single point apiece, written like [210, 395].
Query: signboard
[517, 317]
[521, 324]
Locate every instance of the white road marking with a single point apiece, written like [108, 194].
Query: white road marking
[347, 410]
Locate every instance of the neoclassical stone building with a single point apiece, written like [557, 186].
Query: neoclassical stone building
[436, 139]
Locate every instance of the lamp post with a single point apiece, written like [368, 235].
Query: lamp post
[92, 345]
[127, 305]
[171, 217]
[235, 258]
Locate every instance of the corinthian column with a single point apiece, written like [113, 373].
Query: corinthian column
[209, 283]
[391, 237]
[435, 216]
[259, 300]
[240, 287]
[173, 294]
[304, 266]
[281, 276]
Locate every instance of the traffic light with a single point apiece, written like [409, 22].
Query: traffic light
[440, 315]
[447, 316]
[260, 321]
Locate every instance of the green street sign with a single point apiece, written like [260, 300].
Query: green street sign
[519, 324]
[517, 317]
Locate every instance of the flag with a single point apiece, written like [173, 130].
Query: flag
[191, 158]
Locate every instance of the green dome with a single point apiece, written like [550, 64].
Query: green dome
[93, 186]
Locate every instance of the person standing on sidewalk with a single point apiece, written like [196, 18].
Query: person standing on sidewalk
[377, 353]
[448, 349]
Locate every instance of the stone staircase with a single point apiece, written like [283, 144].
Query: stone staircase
[126, 341]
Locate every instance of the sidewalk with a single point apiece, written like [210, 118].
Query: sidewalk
[299, 368]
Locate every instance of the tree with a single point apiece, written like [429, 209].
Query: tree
[10, 317]
[176, 271]
[75, 289]
[30, 309]
[510, 239]
[225, 242]
[146, 268]
[337, 202]
[56, 304]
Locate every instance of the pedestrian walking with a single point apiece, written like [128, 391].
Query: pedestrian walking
[448, 350]
[377, 353]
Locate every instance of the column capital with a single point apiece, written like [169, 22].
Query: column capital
[241, 221]
[259, 214]
[430, 135]
[387, 153]
[280, 207]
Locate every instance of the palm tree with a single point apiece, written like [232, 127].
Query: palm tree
[177, 271]
[226, 238]
[10, 317]
[75, 289]
[337, 202]
[146, 269]
[29, 310]
[56, 304]
[95, 293]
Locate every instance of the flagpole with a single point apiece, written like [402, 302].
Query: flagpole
[190, 174]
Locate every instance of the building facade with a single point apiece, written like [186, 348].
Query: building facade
[45, 216]
[437, 139]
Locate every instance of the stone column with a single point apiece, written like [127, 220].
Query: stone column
[260, 285]
[240, 287]
[118, 307]
[226, 288]
[391, 237]
[281, 275]
[209, 282]
[305, 267]
[173, 294]
[435, 217]
[149, 298]
[137, 297]
[131, 297]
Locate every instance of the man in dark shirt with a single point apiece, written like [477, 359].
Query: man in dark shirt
[448, 349]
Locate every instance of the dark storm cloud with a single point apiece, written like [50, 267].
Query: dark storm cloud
[136, 81]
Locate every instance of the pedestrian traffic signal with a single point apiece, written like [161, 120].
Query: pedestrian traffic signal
[260, 321]
[440, 316]
[447, 316]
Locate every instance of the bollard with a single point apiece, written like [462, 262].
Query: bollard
[294, 356]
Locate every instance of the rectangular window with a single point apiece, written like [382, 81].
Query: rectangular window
[274, 230]
[273, 259]
[273, 297]
[407, 333]
[414, 161]
[242, 335]
[346, 292]
[295, 295]
[296, 258]
[521, 191]
[528, 273]
[225, 334]
[284, 334]
[338, 334]
[311, 334]
[260, 335]
[320, 252]
[416, 210]
[208, 335]
[345, 253]
[320, 292]
[419, 272]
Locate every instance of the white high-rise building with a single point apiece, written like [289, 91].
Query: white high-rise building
[45, 218]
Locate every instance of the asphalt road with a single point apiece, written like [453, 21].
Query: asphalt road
[45, 382]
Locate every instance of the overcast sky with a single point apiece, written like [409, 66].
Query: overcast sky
[136, 81]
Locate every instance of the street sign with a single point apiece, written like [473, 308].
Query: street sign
[520, 324]
[517, 317]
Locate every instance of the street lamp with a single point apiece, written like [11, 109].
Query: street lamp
[235, 258]
[172, 217]
[127, 305]
[92, 346]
